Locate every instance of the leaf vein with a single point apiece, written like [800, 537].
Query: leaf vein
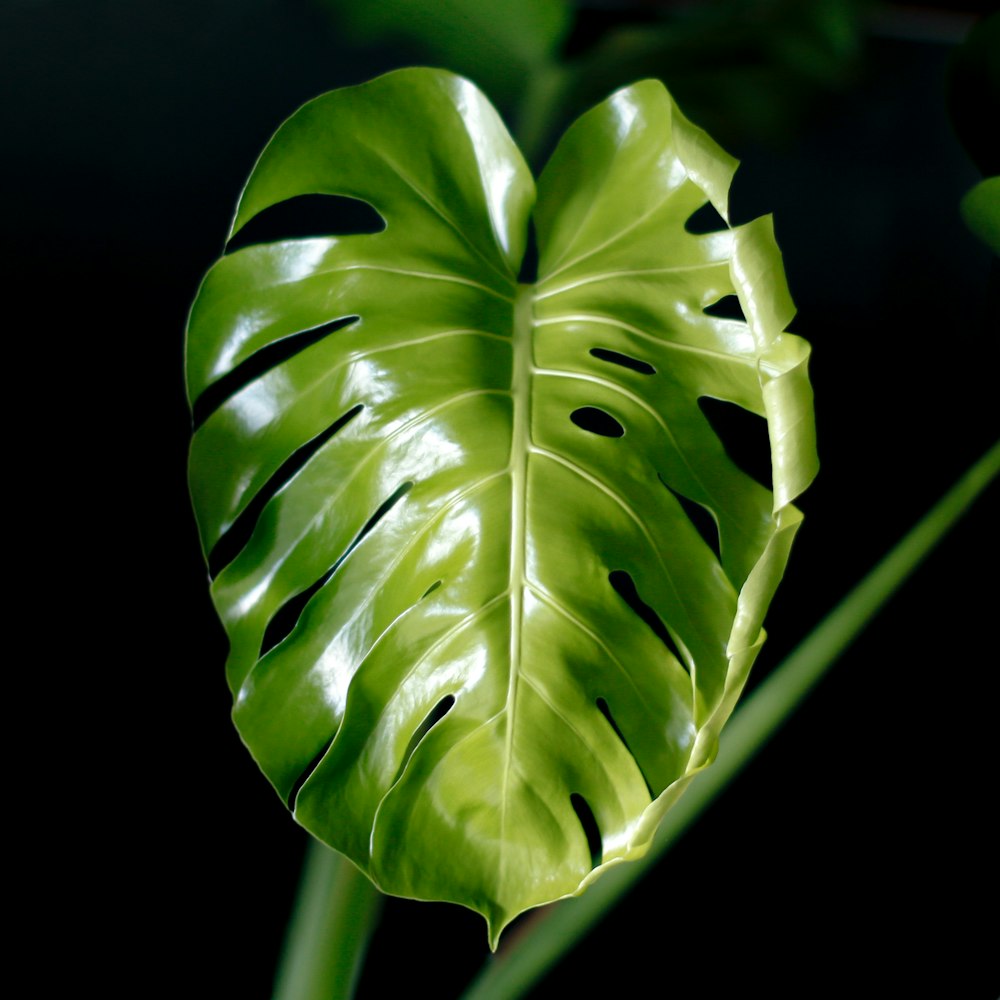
[607, 275]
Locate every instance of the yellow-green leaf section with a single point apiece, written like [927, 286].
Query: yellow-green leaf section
[507, 645]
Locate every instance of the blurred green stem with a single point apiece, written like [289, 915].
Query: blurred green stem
[335, 913]
[538, 110]
[556, 930]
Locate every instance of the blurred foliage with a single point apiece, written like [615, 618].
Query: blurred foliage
[981, 212]
[740, 68]
[498, 44]
[973, 91]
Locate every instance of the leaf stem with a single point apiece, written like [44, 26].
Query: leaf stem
[336, 910]
[539, 109]
[563, 924]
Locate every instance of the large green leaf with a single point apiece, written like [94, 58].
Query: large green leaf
[513, 625]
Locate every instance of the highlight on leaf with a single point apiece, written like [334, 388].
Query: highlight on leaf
[491, 580]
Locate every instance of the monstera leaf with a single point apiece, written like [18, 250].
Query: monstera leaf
[498, 584]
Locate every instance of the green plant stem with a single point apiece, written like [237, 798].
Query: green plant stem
[559, 928]
[538, 110]
[336, 910]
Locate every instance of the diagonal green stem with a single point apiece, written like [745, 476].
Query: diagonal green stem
[556, 930]
[335, 912]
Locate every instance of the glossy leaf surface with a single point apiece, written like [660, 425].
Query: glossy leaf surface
[481, 635]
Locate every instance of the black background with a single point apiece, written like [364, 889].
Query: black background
[854, 855]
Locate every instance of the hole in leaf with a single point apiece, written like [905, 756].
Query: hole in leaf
[257, 364]
[430, 590]
[232, 542]
[699, 517]
[433, 717]
[597, 421]
[309, 215]
[624, 360]
[705, 220]
[397, 494]
[602, 706]
[625, 587]
[728, 307]
[590, 828]
[744, 436]
[307, 773]
[287, 616]
[528, 274]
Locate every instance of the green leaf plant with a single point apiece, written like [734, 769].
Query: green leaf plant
[525, 581]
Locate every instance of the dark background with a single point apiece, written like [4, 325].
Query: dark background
[855, 855]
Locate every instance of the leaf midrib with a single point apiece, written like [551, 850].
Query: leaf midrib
[521, 379]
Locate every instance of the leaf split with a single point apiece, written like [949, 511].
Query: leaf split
[519, 581]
